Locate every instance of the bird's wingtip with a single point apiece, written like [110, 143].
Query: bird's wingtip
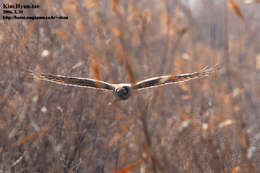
[211, 70]
[30, 73]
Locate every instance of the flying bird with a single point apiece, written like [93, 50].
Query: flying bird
[123, 91]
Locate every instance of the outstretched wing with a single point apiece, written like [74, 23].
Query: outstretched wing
[73, 81]
[163, 80]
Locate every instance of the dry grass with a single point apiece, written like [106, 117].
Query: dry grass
[207, 125]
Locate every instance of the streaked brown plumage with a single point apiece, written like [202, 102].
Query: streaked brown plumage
[123, 91]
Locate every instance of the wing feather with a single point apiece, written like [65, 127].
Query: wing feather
[74, 81]
[163, 80]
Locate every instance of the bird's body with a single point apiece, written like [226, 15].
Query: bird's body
[123, 91]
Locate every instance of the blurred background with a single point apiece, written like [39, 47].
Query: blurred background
[204, 125]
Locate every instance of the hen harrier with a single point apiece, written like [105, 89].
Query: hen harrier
[123, 90]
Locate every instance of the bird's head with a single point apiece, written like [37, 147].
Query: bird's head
[123, 91]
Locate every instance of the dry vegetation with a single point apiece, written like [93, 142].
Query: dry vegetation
[208, 125]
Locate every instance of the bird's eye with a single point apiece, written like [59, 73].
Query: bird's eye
[125, 90]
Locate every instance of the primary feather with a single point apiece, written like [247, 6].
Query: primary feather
[168, 79]
[74, 81]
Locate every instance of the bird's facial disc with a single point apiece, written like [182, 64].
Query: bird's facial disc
[123, 92]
